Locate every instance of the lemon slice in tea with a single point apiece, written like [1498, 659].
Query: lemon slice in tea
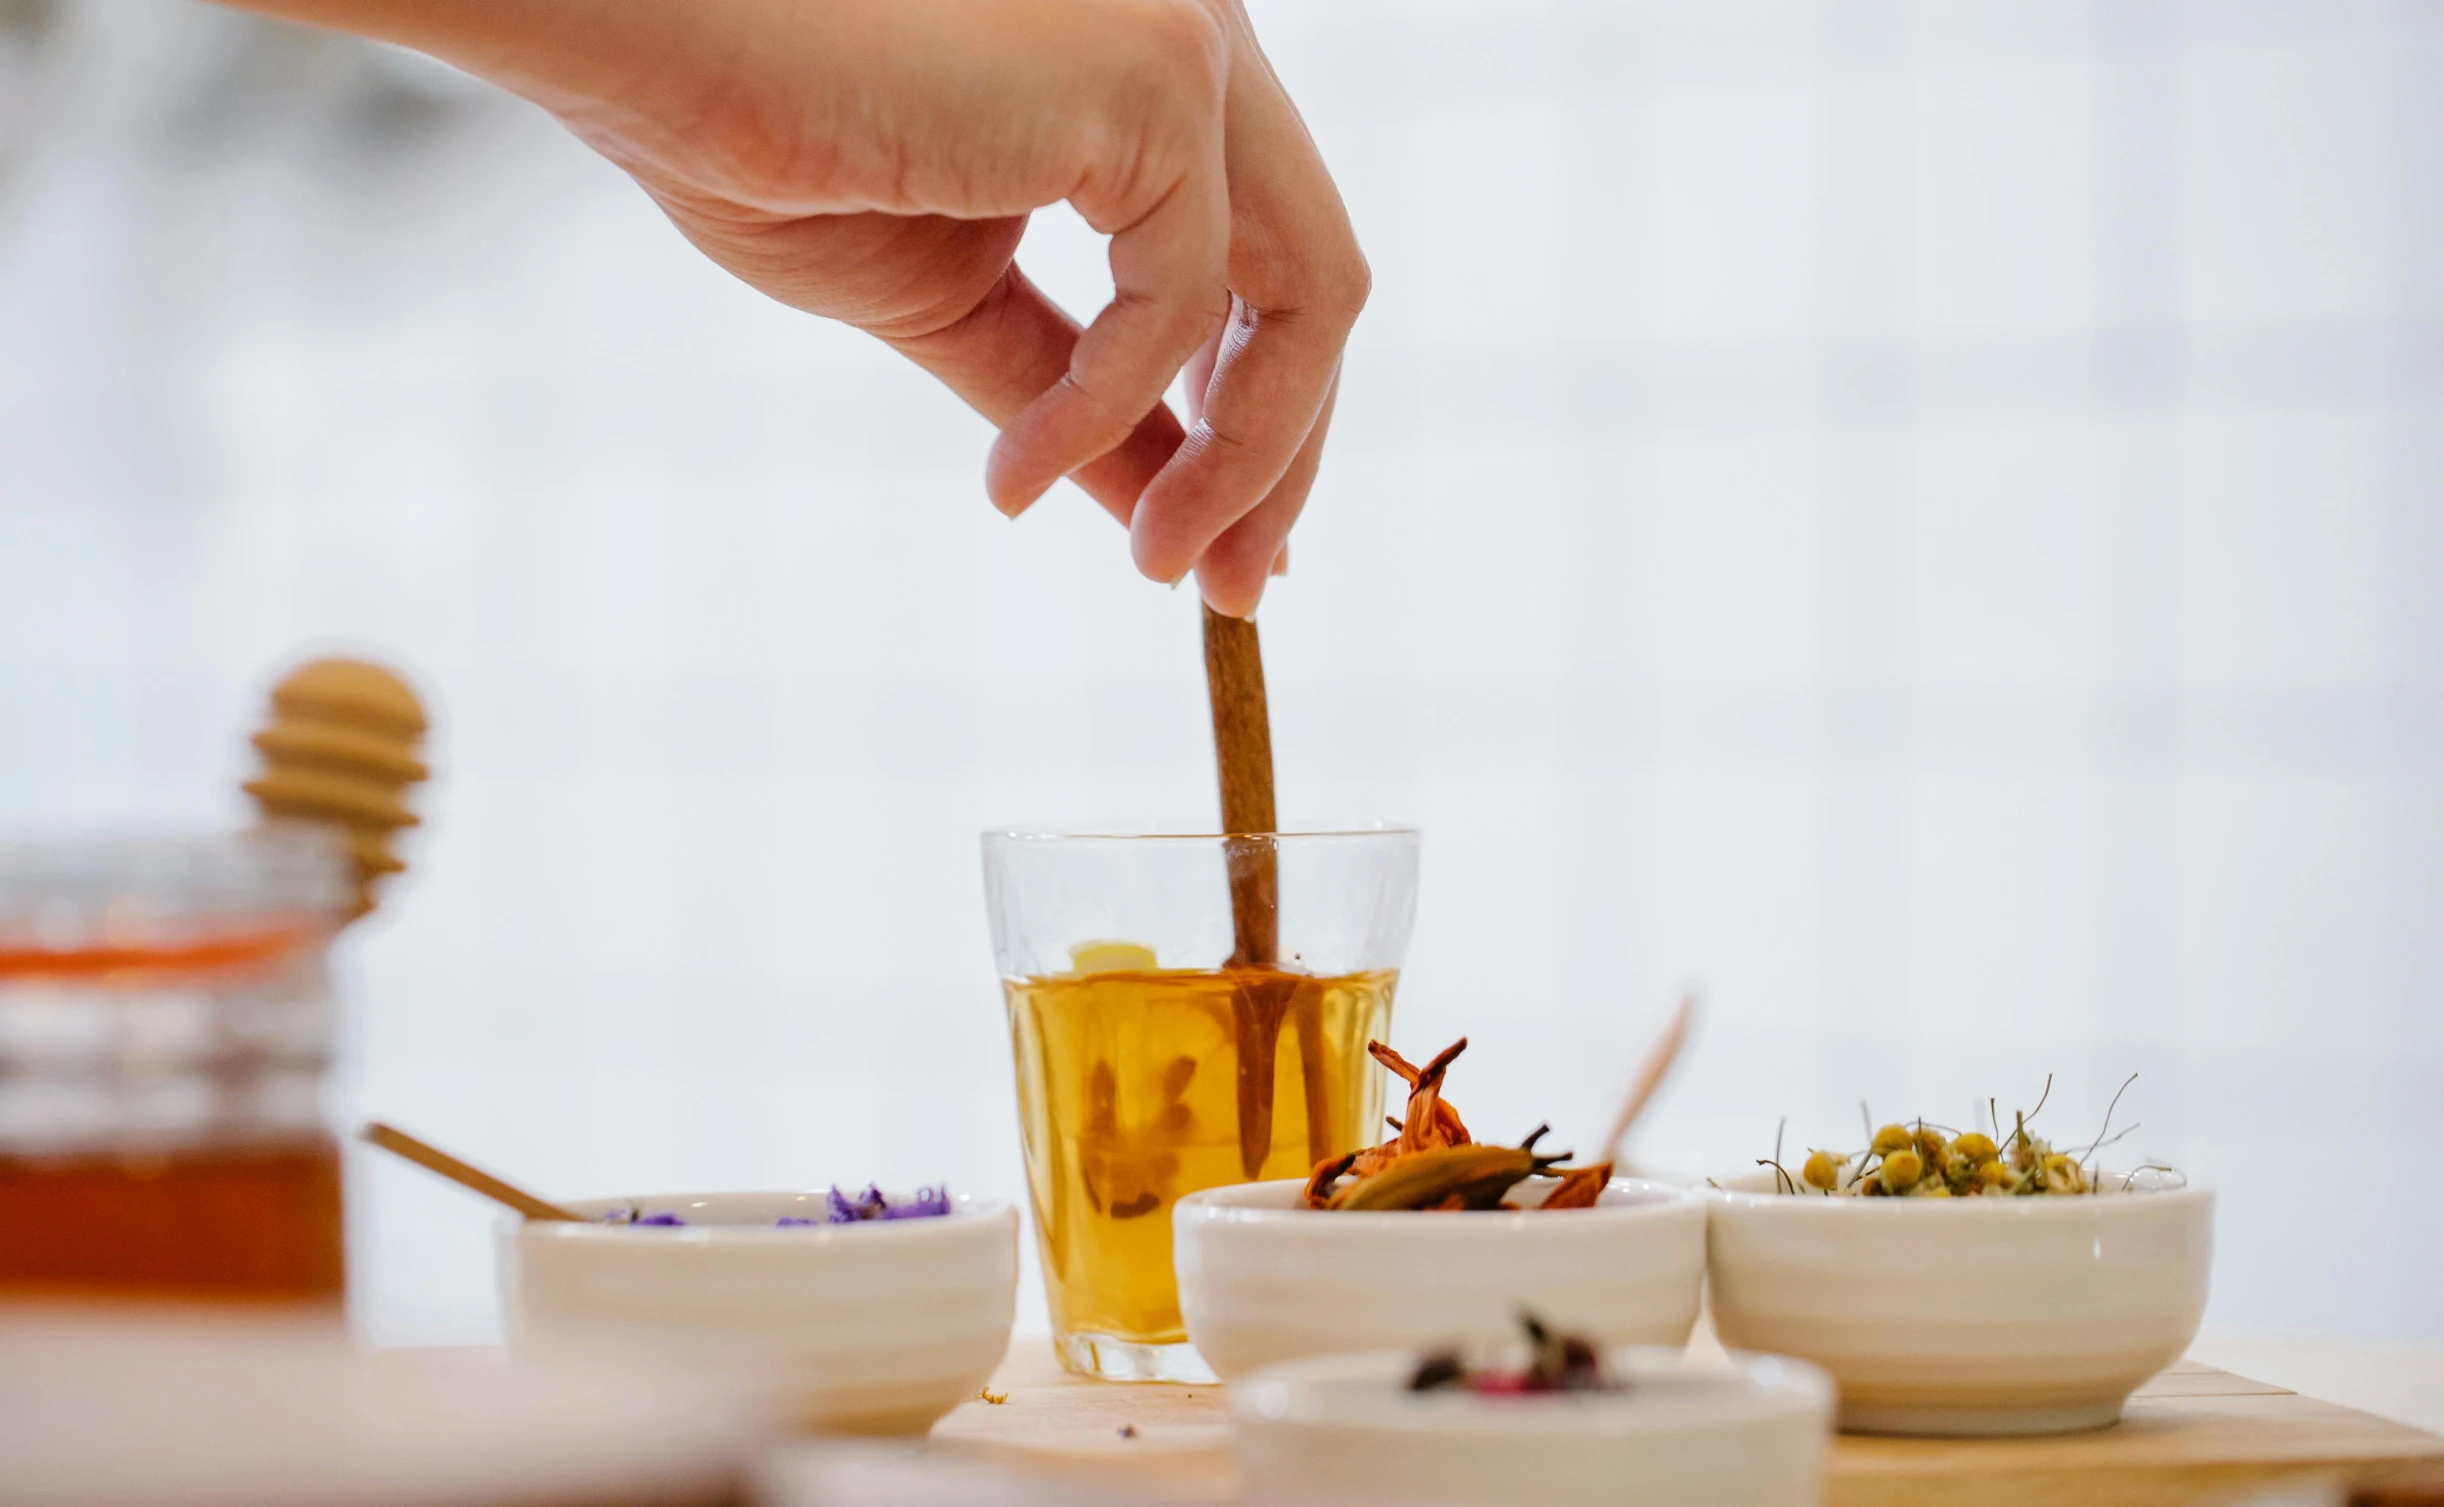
[1111, 957]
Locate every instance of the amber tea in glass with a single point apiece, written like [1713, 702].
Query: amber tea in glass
[1150, 1066]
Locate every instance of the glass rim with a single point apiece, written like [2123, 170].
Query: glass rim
[1161, 832]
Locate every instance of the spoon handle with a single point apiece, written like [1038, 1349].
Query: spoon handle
[1651, 1073]
[433, 1159]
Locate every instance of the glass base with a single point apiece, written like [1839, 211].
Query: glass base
[1109, 1359]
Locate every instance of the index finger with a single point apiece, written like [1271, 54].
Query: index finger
[1299, 281]
[1014, 345]
[1167, 296]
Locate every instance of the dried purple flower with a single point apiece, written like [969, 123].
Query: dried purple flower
[929, 1202]
[661, 1219]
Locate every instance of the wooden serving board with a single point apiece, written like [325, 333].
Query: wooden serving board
[2192, 1435]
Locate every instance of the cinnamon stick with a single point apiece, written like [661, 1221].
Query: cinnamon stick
[1243, 764]
[1259, 999]
[1243, 760]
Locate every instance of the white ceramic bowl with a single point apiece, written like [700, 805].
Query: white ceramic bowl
[1263, 1280]
[1964, 1316]
[879, 1327]
[1744, 1432]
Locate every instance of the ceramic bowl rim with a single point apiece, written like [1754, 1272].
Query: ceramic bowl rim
[2074, 1206]
[1216, 1206]
[969, 1212]
[1789, 1385]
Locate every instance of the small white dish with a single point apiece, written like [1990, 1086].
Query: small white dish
[871, 1328]
[1264, 1280]
[1978, 1316]
[175, 1405]
[1748, 1431]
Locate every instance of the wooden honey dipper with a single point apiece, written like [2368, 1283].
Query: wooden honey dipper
[340, 749]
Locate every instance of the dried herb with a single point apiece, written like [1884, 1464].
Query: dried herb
[1579, 1187]
[1923, 1160]
[1434, 1164]
[927, 1203]
[1557, 1362]
[1446, 1177]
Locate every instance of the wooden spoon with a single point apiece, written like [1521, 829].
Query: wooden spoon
[1652, 1070]
[433, 1159]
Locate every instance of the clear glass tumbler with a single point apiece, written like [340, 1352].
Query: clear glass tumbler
[1186, 1011]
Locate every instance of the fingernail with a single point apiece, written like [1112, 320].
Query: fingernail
[1247, 612]
[1009, 499]
[1011, 506]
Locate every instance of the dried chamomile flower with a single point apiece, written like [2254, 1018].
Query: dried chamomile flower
[1900, 1172]
[2062, 1175]
[1919, 1160]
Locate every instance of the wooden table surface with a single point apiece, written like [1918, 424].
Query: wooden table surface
[2195, 1434]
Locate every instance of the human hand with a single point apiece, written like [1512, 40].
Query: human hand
[875, 161]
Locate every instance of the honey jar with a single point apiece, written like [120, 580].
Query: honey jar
[166, 1024]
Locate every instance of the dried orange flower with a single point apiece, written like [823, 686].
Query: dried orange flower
[1434, 1164]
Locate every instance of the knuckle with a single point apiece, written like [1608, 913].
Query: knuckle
[1346, 283]
[1223, 442]
[1194, 48]
[1206, 313]
[1164, 106]
[1176, 61]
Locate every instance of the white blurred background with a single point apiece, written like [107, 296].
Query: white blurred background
[1929, 519]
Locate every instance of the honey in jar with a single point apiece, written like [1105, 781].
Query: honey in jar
[165, 1025]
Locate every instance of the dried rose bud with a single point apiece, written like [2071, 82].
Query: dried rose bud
[1437, 1371]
